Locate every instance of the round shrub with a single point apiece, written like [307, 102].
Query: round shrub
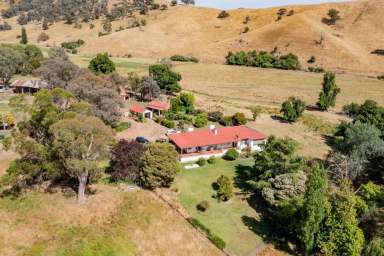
[231, 155]
[212, 160]
[203, 206]
[201, 162]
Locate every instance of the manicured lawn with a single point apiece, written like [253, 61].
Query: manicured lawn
[226, 219]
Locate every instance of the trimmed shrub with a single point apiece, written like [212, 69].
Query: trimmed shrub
[168, 123]
[231, 155]
[212, 160]
[201, 162]
[225, 188]
[202, 206]
[123, 126]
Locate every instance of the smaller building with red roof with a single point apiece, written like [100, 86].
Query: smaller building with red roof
[140, 111]
[206, 143]
[158, 106]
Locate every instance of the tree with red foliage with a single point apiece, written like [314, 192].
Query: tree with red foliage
[126, 160]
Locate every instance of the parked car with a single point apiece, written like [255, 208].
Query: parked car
[171, 131]
[142, 140]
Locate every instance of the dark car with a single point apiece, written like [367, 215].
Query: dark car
[142, 140]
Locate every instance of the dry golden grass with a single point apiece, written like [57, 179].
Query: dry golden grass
[247, 86]
[131, 223]
[198, 32]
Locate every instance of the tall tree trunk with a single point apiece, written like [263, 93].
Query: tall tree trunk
[83, 177]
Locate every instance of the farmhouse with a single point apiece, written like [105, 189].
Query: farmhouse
[29, 86]
[205, 143]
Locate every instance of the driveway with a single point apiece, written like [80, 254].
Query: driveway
[149, 129]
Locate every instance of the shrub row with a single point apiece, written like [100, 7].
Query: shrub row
[263, 60]
[216, 240]
[184, 58]
[73, 44]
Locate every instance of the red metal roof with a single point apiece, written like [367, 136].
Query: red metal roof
[137, 109]
[207, 137]
[159, 105]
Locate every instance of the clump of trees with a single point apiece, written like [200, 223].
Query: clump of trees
[292, 109]
[165, 78]
[333, 17]
[263, 60]
[101, 91]
[327, 97]
[18, 59]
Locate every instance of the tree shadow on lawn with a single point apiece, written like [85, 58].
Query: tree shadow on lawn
[243, 173]
[264, 226]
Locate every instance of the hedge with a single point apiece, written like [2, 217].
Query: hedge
[216, 240]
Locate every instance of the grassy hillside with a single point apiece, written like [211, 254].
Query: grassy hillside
[110, 223]
[198, 32]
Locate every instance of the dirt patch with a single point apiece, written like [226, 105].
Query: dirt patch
[149, 129]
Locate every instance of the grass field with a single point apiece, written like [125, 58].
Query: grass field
[123, 65]
[110, 223]
[226, 219]
[246, 86]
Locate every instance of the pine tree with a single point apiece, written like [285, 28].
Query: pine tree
[315, 207]
[327, 97]
[24, 38]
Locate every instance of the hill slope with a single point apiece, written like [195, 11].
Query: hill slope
[198, 31]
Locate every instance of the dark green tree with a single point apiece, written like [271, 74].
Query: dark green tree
[327, 97]
[165, 78]
[292, 109]
[159, 167]
[185, 102]
[24, 38]
[277, 157]
[315, 207]
[340, 234]
[102, 64]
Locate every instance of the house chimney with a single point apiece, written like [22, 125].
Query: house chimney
[190, 129]
[212, 127]
[215, 131]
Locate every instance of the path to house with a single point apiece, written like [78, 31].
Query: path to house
[149, 129]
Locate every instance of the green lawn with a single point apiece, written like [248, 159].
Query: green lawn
[123, 65]
[226, 219]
